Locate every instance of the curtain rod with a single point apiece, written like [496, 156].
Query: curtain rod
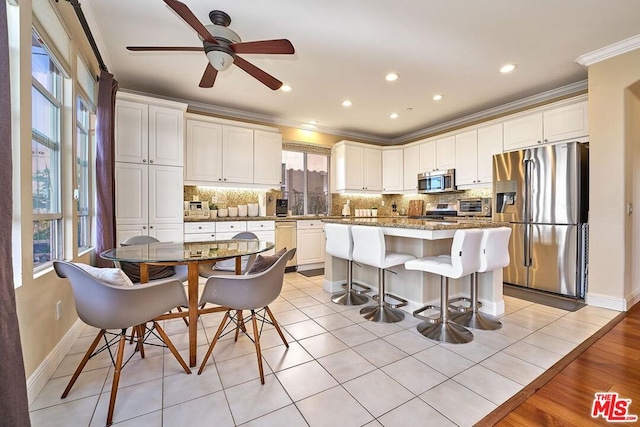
[87, 32]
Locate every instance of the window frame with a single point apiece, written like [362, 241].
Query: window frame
[55, 98]
[83, 183]
[296, 148]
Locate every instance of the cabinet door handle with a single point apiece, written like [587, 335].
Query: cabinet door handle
[546, 140]
[144, 160]
[150, 161]
[151, 226]
[144, 227]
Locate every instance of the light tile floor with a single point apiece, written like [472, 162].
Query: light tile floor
[338, 370]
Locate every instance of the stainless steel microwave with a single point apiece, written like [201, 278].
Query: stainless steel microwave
[437, 181]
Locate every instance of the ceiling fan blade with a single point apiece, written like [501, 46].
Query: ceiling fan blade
[266, 79]
[165, 49]
[280, 46]
[186, 14]
[209, 76]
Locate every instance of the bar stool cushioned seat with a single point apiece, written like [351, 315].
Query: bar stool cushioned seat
[464, 260]
[340, 245]
[369, 248]
[494, 254]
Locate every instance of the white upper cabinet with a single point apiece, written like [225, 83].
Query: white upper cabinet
[547, 125]
[522, 132]
[411, 163]
[467, 159]
[392, 171]
[489, 144]
[568, 122]
[446, 153]
[267, 157]
[148, 131]
[474, 154]
[204, 152]
[358, 168]
[237, 155]
[219, 153]
[438, 154]
[427, 157]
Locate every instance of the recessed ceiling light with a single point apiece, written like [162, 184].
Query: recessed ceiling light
[313, 122]
[507, 68]
[393, 115]
[391, 77]
[437, 97]
[285, 88]
[347, 103]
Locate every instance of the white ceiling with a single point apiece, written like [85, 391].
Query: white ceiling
[344, 49]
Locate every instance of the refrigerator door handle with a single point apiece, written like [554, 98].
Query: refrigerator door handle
[527, 245]
[527, 212]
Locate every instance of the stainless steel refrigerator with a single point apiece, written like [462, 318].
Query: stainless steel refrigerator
[543, 192]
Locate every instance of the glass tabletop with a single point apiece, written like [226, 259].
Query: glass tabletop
[187, 251]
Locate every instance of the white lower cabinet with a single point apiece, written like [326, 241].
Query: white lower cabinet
[162, 232]
[224, 230]
[310, 241]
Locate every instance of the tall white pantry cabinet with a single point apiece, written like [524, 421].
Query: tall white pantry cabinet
[149, 141]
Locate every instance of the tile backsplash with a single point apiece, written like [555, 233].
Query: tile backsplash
[359, 201]
[225, 197]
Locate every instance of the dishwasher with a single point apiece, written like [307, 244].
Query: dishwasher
[286, 238]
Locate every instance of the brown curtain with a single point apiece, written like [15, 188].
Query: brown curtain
[14, 406]
[105, 179]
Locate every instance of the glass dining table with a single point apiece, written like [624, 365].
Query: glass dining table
[192, 254]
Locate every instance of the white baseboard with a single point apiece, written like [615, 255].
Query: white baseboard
[313, 266]
[37, 380]
[607, 301]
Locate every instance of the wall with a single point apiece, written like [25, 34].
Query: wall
[614, 140]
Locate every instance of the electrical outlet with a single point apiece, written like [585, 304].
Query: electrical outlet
[59, 310]
[629, 208]
[382, 202]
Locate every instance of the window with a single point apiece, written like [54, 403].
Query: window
[82, 174]
[306, 182]
[46, 98]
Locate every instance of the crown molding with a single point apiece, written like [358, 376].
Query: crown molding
[610, 51]
[550, 95]
[232, 113]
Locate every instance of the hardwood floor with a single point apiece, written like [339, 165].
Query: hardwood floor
[563, 396]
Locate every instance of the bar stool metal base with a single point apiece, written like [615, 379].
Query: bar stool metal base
[383, 314]
[445, 332]
[477, 320]
[349, 298]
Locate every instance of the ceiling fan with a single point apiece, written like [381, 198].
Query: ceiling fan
[221, 45]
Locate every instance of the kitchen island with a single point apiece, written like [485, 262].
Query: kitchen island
[420, 238]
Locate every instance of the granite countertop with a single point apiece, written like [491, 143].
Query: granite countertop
[416, 224]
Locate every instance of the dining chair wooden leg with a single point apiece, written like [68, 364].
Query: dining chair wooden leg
[84, 361]
[171, 347]
[240, 324]
[116, 376]
[214, 341]
[256, 335]
[186, 322]
[275, 324]
[140, 333]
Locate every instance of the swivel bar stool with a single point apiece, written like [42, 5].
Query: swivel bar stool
[340, 245]
[463, 261]
[369, 248]
[494, 254]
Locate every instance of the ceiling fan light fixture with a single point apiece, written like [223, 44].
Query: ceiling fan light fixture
[219, 59]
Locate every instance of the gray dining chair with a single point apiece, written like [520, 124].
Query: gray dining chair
[229, 266]
[107, 307]
[253, 292]
[181, 271]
